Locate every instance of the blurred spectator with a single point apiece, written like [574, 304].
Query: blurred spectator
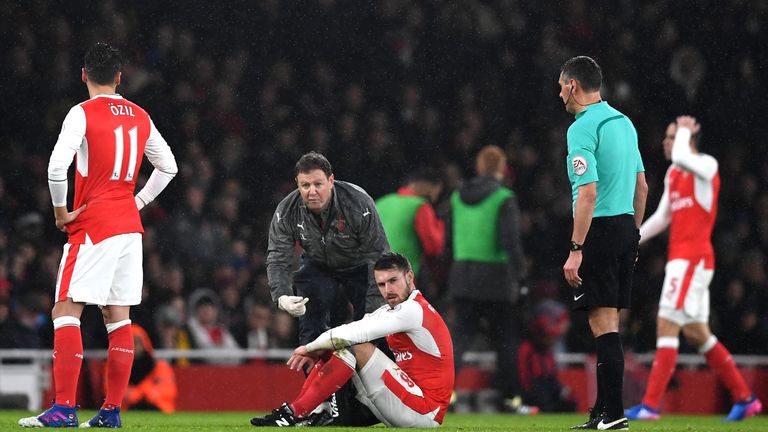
[171, 330]
[378, 95]
[152, 384]
[536, 359]
[255, 333]
[285, 333]
[410, 222]
[205, 327]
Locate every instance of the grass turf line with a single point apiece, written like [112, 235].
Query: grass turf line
[238, 421]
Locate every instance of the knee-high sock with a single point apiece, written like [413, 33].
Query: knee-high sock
[661, 371]
[599, 406]
[67, 359]
[610, 360]
[328, 379]
[720, 361]
[313, 373]
[119, 362]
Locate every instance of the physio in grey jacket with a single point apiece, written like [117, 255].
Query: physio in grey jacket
[341, 236]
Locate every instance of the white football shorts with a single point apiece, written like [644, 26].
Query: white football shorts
[382, 387]
[107, 273]
[685, 293]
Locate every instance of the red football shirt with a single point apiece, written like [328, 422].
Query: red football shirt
[693, 207]
[108, 136]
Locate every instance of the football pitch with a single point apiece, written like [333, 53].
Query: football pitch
[238, 421]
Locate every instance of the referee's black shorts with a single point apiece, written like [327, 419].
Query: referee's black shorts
[608, 263]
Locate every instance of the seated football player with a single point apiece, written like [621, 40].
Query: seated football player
[414, 390]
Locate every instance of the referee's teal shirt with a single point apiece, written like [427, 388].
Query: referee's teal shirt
[602, 148]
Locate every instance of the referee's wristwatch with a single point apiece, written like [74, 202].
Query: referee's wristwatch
[576, 247]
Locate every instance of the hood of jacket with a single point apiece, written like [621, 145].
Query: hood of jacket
[478, 189]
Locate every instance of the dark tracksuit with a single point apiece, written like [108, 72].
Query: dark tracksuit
[339, 248]
[488, 290]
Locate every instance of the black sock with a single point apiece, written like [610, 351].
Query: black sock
[599, 407]
[610, 374]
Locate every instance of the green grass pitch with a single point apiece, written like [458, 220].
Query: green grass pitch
[238, 421]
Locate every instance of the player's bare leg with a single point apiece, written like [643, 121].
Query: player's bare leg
[363, 352]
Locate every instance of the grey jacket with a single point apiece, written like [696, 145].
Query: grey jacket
[486, 281]
[351, 235]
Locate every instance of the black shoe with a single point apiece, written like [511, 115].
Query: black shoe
[594, 420]
[323, 415]
[322, 418]
[613, 424]
[280, 417]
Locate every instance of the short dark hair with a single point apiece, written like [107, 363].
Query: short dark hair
[312, 161]
[584, 70]
[102, 62]
[393, 261]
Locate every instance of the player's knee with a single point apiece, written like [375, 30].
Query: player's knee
[346, 356]
[666, 328]
[603, 320]
[696, 335]
[112, 326]
[65, 321]
[113, 314]
[363, 352]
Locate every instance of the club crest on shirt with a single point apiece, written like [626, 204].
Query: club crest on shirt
[579, 165]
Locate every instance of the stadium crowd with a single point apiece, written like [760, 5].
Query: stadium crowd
[381, 88]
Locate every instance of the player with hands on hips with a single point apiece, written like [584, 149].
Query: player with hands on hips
[108, 136]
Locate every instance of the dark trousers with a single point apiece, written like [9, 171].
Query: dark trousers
[330, 293]
[335, 297]
[503, 337]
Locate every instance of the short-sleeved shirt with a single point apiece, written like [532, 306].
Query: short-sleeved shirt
[602, 148]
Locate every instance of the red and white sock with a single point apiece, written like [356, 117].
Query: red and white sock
[313, 373]
[720, 361]
[119, 362]
[67, 359]
[326, 381]
[661, 372]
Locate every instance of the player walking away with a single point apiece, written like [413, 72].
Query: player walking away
[609, 191]
[341, 236]
[102, 261]
[689, 207]
[412, 391]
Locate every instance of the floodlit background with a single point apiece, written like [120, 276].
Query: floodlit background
[241, 89]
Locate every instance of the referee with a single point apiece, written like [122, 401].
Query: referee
[609, 191]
